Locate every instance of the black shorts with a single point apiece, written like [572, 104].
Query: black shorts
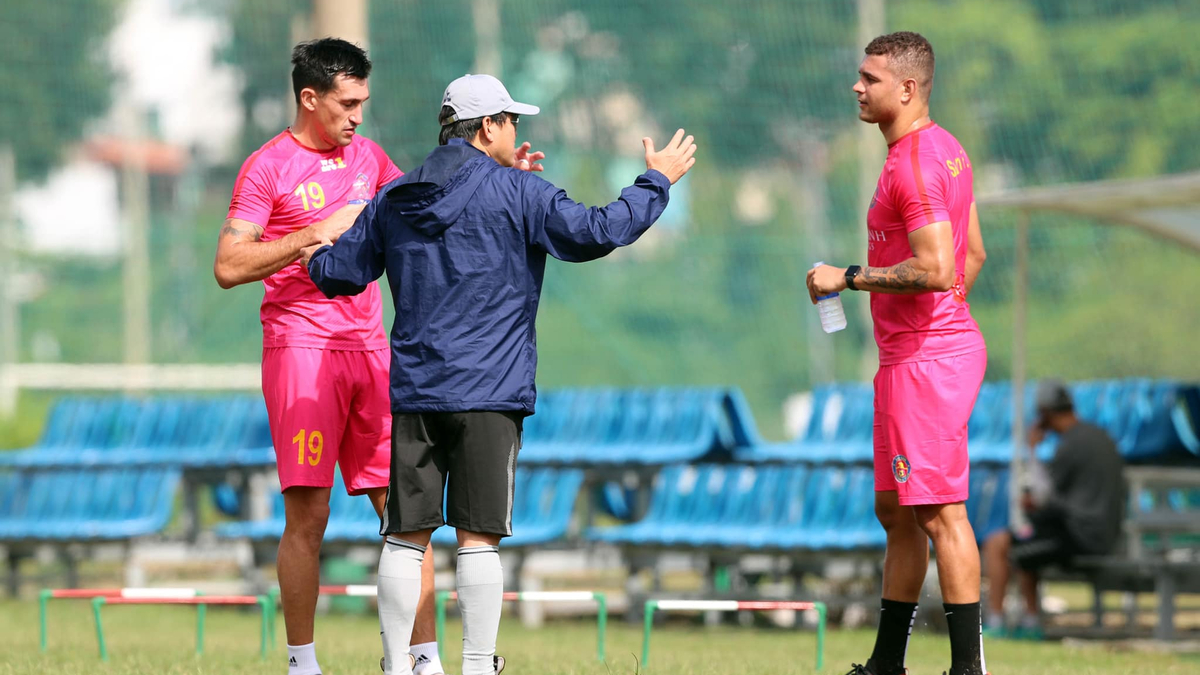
[1050, 545]
[471, 457]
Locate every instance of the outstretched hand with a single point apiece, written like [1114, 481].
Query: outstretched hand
[674, 160]
[528, 161]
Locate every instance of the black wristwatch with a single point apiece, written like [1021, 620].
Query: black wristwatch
[851, 272]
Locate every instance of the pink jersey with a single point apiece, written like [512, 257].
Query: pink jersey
[285, 186]
[927, 179]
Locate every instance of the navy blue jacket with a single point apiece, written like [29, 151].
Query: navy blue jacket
[464, 243]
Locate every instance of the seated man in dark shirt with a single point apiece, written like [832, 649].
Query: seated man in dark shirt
[1081, 514]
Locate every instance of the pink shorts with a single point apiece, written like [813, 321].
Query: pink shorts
[921, 414]
[329, 407]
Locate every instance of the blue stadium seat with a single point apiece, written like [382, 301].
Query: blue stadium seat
[742, 431]
[544, 501]
[989, 429]
[738, 505]
[674, 495]
[186, 432]
[72, 423]
[106, 504]
[1185, 417]
[779, 508]
[840, 428]
[755, 507]
[545, 516]
[351, 518]
[979, 476]
[830, 498]
[648, 427]
[781, 500]
[991, 503]
[1154, 434]
[859, 528]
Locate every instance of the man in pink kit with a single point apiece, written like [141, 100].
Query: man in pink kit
[924, 253]
[325, 361]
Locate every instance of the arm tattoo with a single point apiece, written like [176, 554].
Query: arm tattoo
[228, 230]
[901, 276]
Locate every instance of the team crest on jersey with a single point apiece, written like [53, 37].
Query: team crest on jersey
[901, 468]
[332, 164]
[874, 199]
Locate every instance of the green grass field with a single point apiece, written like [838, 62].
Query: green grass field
[150, 640]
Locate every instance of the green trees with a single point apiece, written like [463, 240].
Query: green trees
[1067, 92]
[1039, 92]
[55, 77]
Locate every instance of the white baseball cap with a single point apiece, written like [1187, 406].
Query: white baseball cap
[472, 96]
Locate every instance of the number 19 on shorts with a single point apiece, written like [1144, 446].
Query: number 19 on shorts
[312, 449]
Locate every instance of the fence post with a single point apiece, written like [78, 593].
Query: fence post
[651, 606]
[97, 603]
[601, 623]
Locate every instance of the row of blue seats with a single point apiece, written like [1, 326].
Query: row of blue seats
[758, 506]
[651, 426]
[572, 427]
[106, 504]
[781, 507]
[183, 432]
[1147, 418]
[544, 499]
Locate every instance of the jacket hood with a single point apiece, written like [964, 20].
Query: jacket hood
[433, 196]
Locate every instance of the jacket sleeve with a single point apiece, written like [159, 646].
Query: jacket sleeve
[356, 259]
[1063, 470]
[573, 232]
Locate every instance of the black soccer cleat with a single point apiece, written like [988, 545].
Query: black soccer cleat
[860, 669]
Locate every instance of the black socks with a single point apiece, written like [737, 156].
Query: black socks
[891, 643]
[966, 643]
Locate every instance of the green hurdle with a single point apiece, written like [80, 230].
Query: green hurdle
[265, 605]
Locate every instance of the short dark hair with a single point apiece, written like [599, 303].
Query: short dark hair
[909, 55]
[317, 63]
[465, 129]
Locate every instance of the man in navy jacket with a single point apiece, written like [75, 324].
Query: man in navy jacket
[464, 239]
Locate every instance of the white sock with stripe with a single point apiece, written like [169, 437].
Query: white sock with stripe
[480, 580]
[399, 591]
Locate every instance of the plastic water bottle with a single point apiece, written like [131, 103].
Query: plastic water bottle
[833, 317]
[360, 192]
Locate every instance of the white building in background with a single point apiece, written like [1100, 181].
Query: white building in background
[165, 58]
[75, 211]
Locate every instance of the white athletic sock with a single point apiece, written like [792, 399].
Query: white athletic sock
[302, 659]
[428, 661]
[399, 591]
[480, 581]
